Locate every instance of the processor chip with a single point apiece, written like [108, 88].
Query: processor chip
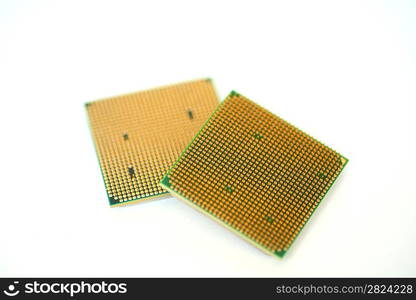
[254, 173]
[138, 136]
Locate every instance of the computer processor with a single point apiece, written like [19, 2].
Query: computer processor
[138, 136]
[254, 173]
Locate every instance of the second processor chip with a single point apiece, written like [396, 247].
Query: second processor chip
[138, 136]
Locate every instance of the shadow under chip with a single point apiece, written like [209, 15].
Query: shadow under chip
[254, 173]
[138, 136]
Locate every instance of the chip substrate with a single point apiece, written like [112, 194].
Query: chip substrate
[139, 136]
[254, 173]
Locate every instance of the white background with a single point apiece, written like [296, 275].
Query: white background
[345, 72]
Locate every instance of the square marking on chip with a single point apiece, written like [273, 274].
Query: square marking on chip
[254, 173]
[139, 136]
